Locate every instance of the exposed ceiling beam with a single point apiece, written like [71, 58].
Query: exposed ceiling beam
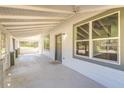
[17, 32]
[34, 28]
[34, 8]
[24, 27]
[28, 23]
[29, 17]
[25, 34]
[29, 29]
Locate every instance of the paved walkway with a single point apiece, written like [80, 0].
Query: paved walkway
[36, 71]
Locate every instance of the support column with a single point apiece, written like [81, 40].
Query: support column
[40, 44]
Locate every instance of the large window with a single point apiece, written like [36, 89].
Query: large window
[98, 39]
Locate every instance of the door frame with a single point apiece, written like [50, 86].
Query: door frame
[56, 46]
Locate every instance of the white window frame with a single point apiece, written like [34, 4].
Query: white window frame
[118, 62]
[75, 41]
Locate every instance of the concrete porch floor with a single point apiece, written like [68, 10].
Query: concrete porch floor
[36, 71]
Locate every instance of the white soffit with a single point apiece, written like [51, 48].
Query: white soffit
[22, 20]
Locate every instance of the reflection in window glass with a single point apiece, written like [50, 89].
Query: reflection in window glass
[82, 40]
[83, 32]
[105, 49]
[104, 41]
[105, 27]
[82, 48]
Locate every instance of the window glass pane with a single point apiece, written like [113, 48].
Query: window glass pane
[105, 49]
[105, 27]
[82, 48]
[83, 32]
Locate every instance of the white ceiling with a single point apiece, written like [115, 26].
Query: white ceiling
[28, 20]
